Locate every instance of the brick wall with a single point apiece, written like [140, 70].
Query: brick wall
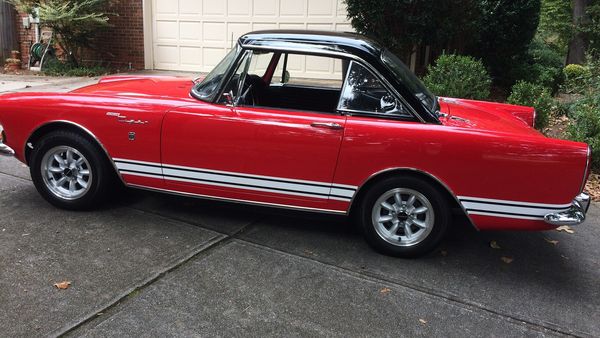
[120, 45]
[26, 38]
[124, 42]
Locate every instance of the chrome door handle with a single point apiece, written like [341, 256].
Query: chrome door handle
[334, 126]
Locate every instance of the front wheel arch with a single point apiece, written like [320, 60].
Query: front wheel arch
[50, 127]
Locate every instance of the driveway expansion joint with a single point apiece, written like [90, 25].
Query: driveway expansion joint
[202, 250]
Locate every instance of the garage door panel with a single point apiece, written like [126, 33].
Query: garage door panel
[214, 32]
[191, 57]
[167, 31]
[190, 7]
[166, 7]
[190, 31]
[268, 8]
[321, 8]
[213, 8]
[167, 56]
[196, 34]
[264, 26]
[292, 8]
[239, 8]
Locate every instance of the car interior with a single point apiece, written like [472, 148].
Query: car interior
[283, 81]
[266, 83]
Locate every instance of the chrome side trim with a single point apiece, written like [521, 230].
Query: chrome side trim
[239, 201]
[313, 51]
[417, 171]
[575, 215]
[6, 150]
[85, 130]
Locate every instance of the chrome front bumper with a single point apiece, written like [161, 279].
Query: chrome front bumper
[574, 215]
[6, 150]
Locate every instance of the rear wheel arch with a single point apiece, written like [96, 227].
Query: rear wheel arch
[50, 127]
[406, 172]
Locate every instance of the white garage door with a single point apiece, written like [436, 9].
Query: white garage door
[193, 35]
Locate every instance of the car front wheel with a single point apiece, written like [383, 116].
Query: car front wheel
[404, 217]
[69, 171]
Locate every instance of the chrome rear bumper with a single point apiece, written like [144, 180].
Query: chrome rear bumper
[574, 215]
[6, 150]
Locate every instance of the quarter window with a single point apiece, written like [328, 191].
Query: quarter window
[364, 93]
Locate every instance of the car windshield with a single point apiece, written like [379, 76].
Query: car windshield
[410, 80]
[207, 89]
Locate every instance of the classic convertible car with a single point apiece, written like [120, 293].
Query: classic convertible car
[315, 121]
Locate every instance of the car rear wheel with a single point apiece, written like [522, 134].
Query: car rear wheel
[70, 171]
[404, 217]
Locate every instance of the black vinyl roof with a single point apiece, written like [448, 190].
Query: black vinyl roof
[333, 41]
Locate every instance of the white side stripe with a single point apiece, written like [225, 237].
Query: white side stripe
[550, 206]
[505, 216]
[245, 181]
[278, 185]
[138, 167]
[508, 209]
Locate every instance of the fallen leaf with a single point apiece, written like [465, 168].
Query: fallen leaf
[384, 291]
[553, 242]
[507, 260]
[565, 228]
[494, 245]
[63, 285]
[423, 321]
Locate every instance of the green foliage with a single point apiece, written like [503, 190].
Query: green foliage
[556, 28]
[576, 77]
[533, 95]
[585, 124]
[74, 22]
[541, 64]
[591, 27]
[403, 24]
[506, 29]
[585, 112]
[459, 76]
[57, 68]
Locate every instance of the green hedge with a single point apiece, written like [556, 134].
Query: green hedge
[460, 77]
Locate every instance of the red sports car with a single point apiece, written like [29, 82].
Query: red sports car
[315, 121]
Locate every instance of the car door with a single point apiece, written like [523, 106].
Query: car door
[257, 154]
[381, 132]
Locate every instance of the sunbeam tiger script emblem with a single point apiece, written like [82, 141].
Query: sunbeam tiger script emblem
[123, 119]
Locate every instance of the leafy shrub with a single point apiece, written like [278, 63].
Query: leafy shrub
[585, 124]
[56, 68]
[541, 65]
[533, 95]
[459, 76]
[585, 112]
[575, 78]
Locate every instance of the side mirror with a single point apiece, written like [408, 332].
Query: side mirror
[286, 77]
[229, 98]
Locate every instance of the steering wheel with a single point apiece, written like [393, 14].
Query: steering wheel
[252, 83]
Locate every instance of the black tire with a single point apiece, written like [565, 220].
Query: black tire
[375, 234]
[100, 181]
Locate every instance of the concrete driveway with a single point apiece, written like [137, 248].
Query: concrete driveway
[157, 265]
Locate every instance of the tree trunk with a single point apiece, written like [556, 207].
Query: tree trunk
[579, 43]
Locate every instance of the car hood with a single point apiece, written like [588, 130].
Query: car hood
[488, 116]
[141, 86]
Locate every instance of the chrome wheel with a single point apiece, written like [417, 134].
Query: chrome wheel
[403, 217]
[66, 173]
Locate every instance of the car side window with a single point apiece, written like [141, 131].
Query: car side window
[364, 93]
